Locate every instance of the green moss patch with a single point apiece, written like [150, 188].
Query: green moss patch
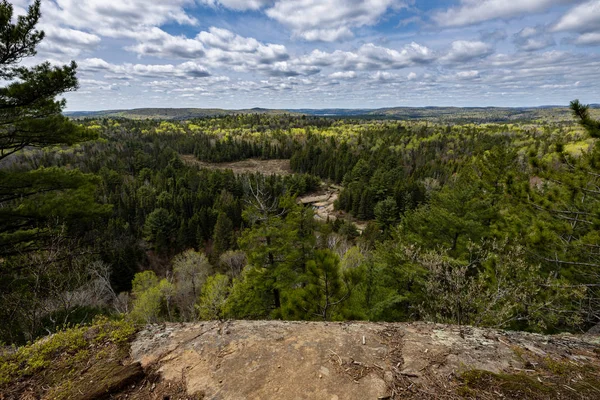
[79, 362]
[548, 379]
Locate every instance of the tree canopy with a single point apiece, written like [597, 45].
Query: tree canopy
[30, 117]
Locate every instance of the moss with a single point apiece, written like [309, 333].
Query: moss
[519, 353]
[507, 384]
[557, 367]
[552, 379]
[104, 377]
[63, 355]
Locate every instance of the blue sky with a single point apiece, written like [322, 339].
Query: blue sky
[324, 53]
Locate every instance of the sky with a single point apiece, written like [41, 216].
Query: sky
[290, 54]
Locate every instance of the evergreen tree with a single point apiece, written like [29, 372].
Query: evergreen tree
[325, 288]
[582, 113]
[223, 236]
[31, 117]
[386, 212]
[159, 229]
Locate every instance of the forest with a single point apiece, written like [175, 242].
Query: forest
[490, 223]
[483, 224]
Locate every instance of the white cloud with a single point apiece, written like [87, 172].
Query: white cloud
[327, 35]
[582, 18]
[158, 43]
[343, 75]
[282, 68]
[66, 41]
[384, 76]
[217, 47]
[380, 65]
[467, 75]
[222, 40]
[528, 32]
[116, 18]
[534, 44]
[411, 54]
[329, 20]
[472, 12]
[588, 39]
[317, 20]
[188, 69]
[464, 50]
[93, 84]
[370, 57]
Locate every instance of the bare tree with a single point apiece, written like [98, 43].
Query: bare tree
[190, 270]
[261, 205]
[52, 284]
[234, 261]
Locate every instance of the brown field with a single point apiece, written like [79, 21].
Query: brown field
[267, 167]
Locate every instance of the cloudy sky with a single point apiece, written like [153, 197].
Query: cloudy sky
[324, 53]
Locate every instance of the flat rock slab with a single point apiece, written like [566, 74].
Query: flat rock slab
[318, 360]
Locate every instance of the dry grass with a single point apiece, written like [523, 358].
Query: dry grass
[265, 167]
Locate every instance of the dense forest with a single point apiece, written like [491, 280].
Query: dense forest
[489, 224]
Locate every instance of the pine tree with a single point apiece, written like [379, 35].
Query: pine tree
[223, 236]
[30, 117]
[159, 229]
[325, 288]
[582, 113]
[386, 212]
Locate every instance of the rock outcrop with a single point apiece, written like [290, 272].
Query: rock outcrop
[318, 360]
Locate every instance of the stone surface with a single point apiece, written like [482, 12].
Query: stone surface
[311, 360]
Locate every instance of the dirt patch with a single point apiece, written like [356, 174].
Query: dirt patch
[266, 167]
[322, 203]
[309, 360]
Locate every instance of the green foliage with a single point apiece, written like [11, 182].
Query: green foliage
[223, 237]
[386, 212]
[252, 295]
[497, 287]
[159, 229]
[71, 342]
[434, 199]
[548, 379]
[582, 113]
[31, 117]
[143, 281]
[395, 285]
[152, 298]
[214, 295]
[454, 216]
[324, 290]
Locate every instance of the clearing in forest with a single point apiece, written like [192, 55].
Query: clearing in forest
[266, 167]
[322, 203]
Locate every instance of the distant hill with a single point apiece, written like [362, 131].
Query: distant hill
[479, 114]
[456, 114]
[170, 113]
[434, 114]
